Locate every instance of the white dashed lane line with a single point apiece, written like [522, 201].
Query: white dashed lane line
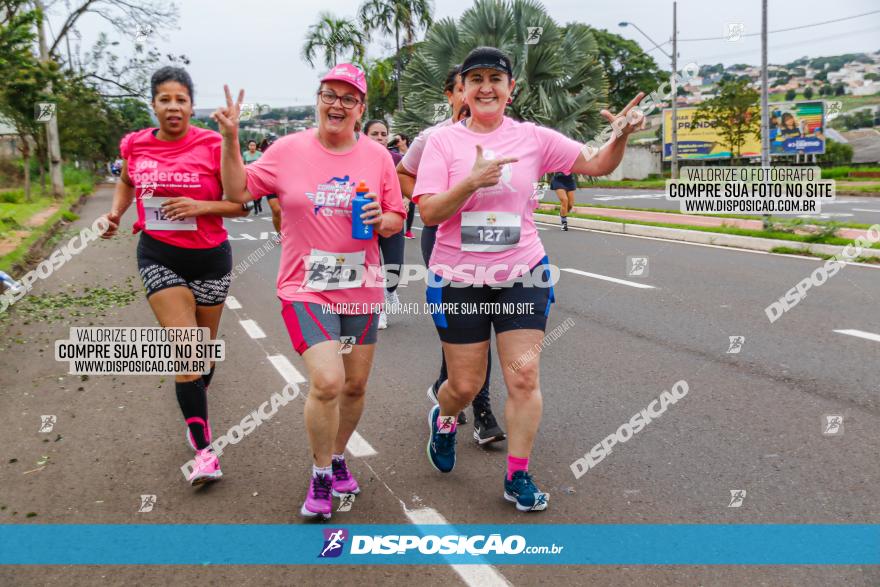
[860, 334]
[283, 365]
[606, 278]
[252, 328]
[232, 303]
[472, 575]
[359, 447]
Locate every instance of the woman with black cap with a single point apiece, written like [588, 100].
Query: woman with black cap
[476, 182]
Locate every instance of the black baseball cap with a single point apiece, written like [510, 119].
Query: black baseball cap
[487, 58]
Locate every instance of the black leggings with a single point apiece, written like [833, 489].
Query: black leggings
[410, 216]
[429, 235]
[392, 256]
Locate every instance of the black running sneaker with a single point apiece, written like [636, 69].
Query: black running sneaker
[564, 223]
[432, 395]
[486, 428]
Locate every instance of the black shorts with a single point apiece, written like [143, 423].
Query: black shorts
[468, 314]
[206, 272]
[561, 181]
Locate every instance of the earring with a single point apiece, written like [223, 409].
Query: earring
[509, 100]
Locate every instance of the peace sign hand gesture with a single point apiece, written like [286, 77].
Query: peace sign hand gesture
[628, 120]
[227, 117]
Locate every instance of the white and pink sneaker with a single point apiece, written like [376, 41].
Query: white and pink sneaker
[206, 469]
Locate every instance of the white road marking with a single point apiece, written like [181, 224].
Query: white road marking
[290, 373]
[417, 227]
[232, 303]
[359, 447]
[472, 575]
[606, 278]
[242, 237]
[865, 209]
[861, 334]
[252, 328]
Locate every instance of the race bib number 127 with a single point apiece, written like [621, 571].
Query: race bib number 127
[489, 232]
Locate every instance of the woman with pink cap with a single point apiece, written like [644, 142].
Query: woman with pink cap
[329, 296]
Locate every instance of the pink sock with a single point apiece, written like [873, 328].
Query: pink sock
[446, 423]
[515, 464]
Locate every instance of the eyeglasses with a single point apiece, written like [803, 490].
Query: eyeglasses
[329, 98]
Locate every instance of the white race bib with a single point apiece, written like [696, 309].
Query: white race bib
[327, 271]
[489, 232]
[156, 219]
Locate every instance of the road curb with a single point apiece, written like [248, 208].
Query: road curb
[694, 236]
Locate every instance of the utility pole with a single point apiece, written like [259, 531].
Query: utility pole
[52, 140]
[674, 167]
[765, 107]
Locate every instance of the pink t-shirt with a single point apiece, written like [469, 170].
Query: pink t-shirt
[315, 187]
[188, 167]
[495, 227]
[413, 155]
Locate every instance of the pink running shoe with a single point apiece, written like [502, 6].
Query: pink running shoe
[343, 480]
[207, 468]
[318, 501]
[409, 234]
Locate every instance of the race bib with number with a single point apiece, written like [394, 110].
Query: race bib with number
[156, 219]
[489, 232]
[328, 271]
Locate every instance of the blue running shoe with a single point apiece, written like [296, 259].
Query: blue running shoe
[522, 491]
[441, 447]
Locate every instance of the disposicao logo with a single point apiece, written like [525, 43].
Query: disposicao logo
[334, 542]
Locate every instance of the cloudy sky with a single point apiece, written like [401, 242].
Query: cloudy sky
[256, 44]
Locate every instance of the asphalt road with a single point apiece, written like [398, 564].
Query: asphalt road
[860, 209]
[752, 420]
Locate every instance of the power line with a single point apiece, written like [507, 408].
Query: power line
[805, 26]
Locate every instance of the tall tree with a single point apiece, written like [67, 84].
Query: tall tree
[398, 17]
[559, 80]
[334, 37]
[381, 87]
[629, 70]
[25, 78]
[734, 113]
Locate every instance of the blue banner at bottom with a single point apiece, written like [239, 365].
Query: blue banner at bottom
[540, 544]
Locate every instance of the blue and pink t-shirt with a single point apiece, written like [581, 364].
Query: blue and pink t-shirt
[188, 167]
[495, 226]
[320, 261]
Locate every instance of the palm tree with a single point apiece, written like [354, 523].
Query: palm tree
[336, 37]
[559, 80]
[405, 17]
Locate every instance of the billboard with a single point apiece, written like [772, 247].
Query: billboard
[795, 127]
[701, 142]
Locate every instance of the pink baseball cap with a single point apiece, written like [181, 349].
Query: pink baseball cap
[348, 73]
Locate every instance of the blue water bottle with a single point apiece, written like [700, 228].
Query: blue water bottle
[359, 230]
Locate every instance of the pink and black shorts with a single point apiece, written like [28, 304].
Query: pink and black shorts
[309, 324]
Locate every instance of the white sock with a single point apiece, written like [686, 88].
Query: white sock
[316, 470]
[338, 457]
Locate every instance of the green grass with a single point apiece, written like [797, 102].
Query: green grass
[771, 234]
[626, 183]
[842, 171]
[13, 216]
[872, 188]
[791, 251]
